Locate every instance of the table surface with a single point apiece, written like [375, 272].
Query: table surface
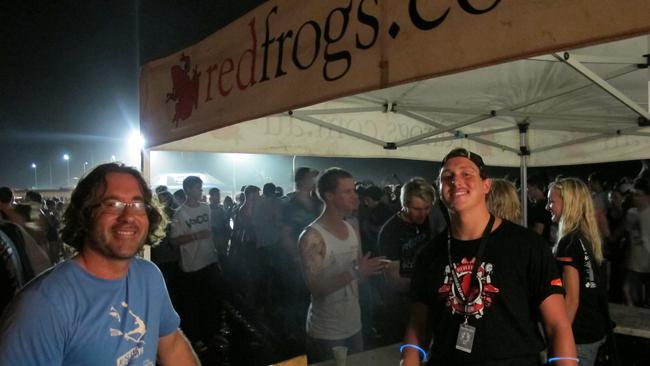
[629, 321]
[382, 356]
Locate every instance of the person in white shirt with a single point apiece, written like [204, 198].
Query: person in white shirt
[191, 232]
[332, 265]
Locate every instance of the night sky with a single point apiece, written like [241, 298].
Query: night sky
[69, 73]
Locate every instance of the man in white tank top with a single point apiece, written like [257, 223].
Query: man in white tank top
[332, 265]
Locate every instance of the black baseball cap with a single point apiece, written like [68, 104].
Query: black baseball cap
[464, 153]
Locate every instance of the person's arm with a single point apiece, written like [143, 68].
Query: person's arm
[416, 334]
[12, 214]
[558, 330]
[385, 242]
[188, 238]
[174, 349]
[393, 278]
[312, 254]
[367, 266]
[603, 225]
[571, 281]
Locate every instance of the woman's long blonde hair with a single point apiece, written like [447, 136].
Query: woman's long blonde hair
[503, 201]
[578, 213]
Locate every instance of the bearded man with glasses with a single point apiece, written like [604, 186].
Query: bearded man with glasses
[103, 306]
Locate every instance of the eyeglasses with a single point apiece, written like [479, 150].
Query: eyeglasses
[116, 207]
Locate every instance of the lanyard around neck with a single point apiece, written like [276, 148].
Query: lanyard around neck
[477, 260]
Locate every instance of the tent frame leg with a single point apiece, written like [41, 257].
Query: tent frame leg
[523, 171]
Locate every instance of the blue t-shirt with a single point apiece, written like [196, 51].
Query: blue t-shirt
[67, 316]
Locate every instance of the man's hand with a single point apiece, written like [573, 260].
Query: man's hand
[190, 238]
[371, 266]
[558, 329]
[417, 334]
[312, 253]
[393, 278]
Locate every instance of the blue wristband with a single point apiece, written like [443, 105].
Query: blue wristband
[553, 359]
[408, 345]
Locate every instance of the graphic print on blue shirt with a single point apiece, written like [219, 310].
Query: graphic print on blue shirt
[135, 335]
[86, 320]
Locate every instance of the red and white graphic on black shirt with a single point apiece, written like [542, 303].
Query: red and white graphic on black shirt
[480, 297]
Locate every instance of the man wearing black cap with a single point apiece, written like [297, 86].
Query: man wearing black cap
[481, 286]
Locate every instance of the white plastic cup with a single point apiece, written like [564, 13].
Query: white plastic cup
[340, 355]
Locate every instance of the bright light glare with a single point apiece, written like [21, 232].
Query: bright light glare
[66, 157]
[34, 165]
[236, 158]
[136, 141]
[134, 146]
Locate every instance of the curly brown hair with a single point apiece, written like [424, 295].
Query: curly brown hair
[78, 216]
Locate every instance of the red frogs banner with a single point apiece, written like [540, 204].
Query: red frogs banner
[288, 54]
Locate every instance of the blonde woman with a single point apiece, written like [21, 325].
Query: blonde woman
[579, 255]
[503, 201]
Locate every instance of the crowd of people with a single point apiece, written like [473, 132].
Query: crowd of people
[338, 262]
[29, 239]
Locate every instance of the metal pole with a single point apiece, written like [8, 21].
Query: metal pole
[293, 171]
[523, 171]
[51, 185]
[234, 179]
[67, 163]
[35, 176]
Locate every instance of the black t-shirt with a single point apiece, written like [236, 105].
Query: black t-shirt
[402, 241]
[517, 273]
[371, 221]
[590, 321]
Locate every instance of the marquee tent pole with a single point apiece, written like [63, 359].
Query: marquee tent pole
[523, 171]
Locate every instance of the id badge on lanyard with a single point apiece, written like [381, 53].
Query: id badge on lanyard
[465, 339]
[466, 332]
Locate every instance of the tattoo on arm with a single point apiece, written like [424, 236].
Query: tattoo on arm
[312, 253]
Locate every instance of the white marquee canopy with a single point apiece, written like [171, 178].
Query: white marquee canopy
[411, 79]
[577, 106]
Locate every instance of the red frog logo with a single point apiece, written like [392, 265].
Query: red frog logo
[185, 91]
[478, 297]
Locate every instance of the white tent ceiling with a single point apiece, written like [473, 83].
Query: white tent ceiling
[571, 119]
